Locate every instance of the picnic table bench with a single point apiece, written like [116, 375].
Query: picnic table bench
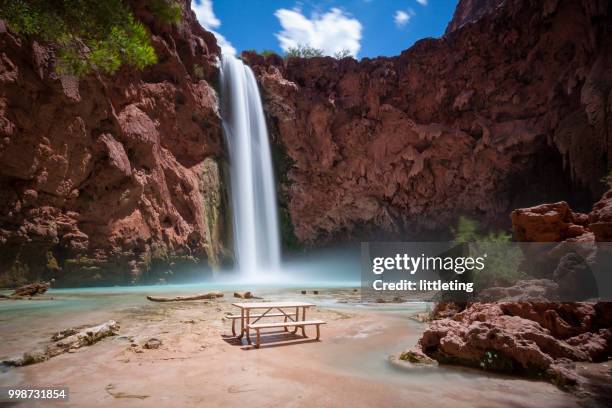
[292, 318]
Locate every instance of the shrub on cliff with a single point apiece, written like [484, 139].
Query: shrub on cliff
[90, 35]
[168, 11]
[303, 51]
[268, 53]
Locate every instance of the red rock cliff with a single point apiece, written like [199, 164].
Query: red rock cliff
[510, 108]
[110, 179]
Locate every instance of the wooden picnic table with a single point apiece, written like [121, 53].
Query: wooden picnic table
[247, 307]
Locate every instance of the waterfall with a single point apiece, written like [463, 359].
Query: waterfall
[254, 206]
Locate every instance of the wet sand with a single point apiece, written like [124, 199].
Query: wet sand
[199, 364]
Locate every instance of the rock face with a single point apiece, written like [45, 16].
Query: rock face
[526, 335]
[495, 115]
[110, 180]
[470, 11]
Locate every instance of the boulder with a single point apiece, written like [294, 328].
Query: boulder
[547, 223]
[243, 295]
[417, 357]
[600, 218]
[152, 344]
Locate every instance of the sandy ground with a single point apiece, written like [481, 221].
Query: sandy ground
[200, 365]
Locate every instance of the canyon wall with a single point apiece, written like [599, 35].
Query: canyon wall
[111, 179]
[120, 179]
[508, 109]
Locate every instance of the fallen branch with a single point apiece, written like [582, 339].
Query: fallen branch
[33, 289]
[80, 338]
[203, 296]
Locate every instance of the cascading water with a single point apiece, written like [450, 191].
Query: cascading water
[255, 218]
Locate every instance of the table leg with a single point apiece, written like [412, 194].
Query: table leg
[304, 319]
[297, 317]
[248, 319]
[241, 323]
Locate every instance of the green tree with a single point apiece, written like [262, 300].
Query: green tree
[90, 35]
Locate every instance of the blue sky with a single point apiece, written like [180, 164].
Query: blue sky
[366, 28]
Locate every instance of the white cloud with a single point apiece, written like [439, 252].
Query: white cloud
[401, 18]
[331, 32]
[206, 16]
[422, 2]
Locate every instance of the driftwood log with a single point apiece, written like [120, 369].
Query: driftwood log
[202, 296]
[66, 340]
[33, 289]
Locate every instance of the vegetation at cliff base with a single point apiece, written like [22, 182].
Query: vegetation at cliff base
[503, 258]
[90, 35]
[469, 230]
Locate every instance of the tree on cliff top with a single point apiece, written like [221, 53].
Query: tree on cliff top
[91, 35]
[303, 51]
[306, 51]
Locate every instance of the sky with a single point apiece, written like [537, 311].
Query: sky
[364, 28]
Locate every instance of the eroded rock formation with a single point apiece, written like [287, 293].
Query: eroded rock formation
[507, 109]
[531, 337]
[528, 338]
[110, 179]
